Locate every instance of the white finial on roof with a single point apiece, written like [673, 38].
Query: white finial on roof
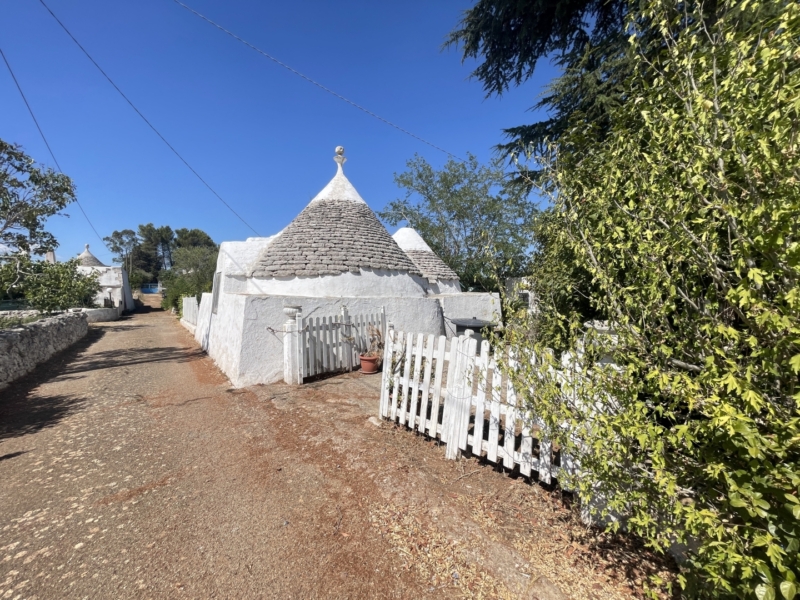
[340, 157]
[339, 188]
[88, 259]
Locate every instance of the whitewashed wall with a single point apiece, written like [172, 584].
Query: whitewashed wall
[368, 282]
[225, 334]
[469, 305]
[262, 350]
[115, 278]
[203, 325]
[440, 286]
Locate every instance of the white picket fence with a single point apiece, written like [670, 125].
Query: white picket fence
[317, 345]
[190, 310]
[446, 389]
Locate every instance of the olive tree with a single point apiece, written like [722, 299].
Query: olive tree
[29, 195]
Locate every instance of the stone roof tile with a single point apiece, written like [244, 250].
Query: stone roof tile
[87, 259]
[344, 234]
[432, 266]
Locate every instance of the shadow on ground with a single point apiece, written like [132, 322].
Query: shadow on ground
[22, 416]
[127, 357]
[23, 411]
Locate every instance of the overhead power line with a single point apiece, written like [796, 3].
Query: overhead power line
[46, 143]
[149, 124]
[316, 83]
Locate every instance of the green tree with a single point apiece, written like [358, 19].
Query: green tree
[155, 247]
[29, 195]
[185, 238]
[122, 243]
[561, 287]
[586, 38]
[682, 210]
[49, 287]
[148, 253]
[478, 228]
[191, 275]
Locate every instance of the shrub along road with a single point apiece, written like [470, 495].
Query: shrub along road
[131, 469]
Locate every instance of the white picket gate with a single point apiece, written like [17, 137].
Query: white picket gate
[326, 344]
[446, 389]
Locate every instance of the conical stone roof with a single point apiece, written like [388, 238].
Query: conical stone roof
[88, 259]
[337, 232]
[426, 260]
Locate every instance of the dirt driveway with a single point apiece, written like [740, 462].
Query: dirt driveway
[129, 468]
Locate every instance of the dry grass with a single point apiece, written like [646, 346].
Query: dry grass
[440, 562]
[543, 528]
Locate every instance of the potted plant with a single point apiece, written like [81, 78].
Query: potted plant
[372, 359]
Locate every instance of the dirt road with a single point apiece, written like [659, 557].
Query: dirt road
[129, 468]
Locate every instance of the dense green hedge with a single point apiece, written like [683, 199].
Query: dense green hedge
[685, 218]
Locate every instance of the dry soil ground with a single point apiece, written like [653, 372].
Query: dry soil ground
[129, 468]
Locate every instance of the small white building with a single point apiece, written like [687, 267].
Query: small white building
[335, 253]
[114, 286]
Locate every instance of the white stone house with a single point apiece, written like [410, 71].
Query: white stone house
[113, 281]
[335, 253]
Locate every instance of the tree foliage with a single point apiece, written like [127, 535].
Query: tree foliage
[147, 253]
[122, 243]
[479, 229]
[48, 287]
[155, 248]
[188, 238]
[191, 275]
[29, 195]
[585, 38]
[683, 212]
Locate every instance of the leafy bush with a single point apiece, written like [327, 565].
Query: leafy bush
[48, 287]
[192, 274]
[685, 218]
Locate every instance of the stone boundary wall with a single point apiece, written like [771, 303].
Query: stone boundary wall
[102, 315]
[22, 348]
[18, 314]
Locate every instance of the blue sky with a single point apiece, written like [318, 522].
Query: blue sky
[261, 136]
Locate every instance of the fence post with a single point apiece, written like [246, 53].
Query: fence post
[465, 391]
[347, 340]
[292, 372]
[302, 337]
[458, 398]
[387, 374]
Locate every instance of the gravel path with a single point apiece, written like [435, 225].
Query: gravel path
[130, 469]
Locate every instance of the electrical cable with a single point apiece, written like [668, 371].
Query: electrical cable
[319, 85]
[46, 143]
[149, 124]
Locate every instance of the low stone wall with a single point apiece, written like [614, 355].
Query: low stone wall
[22, 348]
[102, 315]
[18, 314]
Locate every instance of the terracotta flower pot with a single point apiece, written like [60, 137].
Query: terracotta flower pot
[369, 364]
